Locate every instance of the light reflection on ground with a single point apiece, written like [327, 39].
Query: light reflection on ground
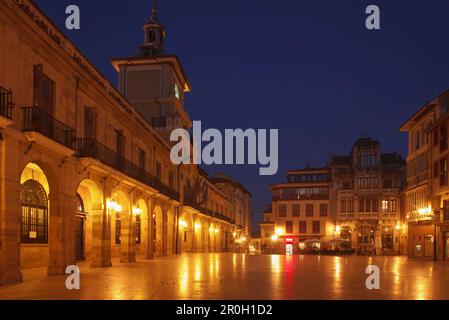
[235, 276]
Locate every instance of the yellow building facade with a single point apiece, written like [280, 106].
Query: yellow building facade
[85, 171]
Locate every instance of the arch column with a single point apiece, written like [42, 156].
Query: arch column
[61, 232]
[101, 242]
[128, 238]
[9, 217]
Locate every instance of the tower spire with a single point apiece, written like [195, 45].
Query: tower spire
[154, 35]
[153, 16]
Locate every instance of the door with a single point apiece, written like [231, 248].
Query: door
[428, 246]
[79, 237]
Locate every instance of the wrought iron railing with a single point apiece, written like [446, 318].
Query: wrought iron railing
[195, 205]
[91, 148]
[6, 103]
[36, 120]
[160, 122]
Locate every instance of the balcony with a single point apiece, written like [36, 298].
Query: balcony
[6, 106]
[45, 130]
[307, 197]
[91, 148]
[188, 202]
[160, 122]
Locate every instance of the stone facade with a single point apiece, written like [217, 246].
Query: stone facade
[427, 181]
[356, 198]
[84, 173]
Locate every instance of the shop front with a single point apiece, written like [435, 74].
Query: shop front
[421, 240]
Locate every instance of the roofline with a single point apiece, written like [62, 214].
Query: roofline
[140, 60]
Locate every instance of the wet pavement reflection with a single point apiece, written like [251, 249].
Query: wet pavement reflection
[236, 276]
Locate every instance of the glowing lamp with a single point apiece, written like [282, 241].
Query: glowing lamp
[275, 238]
[183, 223]
[137, 211]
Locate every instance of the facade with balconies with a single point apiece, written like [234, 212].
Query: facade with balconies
[84, 173]
[366, 188]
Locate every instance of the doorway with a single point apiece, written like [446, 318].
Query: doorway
[79, 236]
[428, 246]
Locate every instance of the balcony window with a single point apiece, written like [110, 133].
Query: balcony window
[323, 210]
[316, 227]
[296, 210]
[303, 227]
[282, 210]
[443, 138]
[309, 210]
[443, 172]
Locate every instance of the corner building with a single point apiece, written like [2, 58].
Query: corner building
[85, 169]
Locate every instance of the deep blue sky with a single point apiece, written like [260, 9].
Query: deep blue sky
[309, 68]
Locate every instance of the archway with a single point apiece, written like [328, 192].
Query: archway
[35, 213]
[88, 220]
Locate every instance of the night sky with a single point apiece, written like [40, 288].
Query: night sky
[309, 68]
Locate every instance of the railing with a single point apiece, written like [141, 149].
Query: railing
[160, 122]
[37, 120]
[91, 148]
[195, 205]
[6, 103]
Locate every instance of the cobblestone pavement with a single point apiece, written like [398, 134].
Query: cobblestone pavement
[235, 276]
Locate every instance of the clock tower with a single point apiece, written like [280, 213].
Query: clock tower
[154, 82]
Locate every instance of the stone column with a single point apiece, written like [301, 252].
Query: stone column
[128, 239]
[61, 231]
[10, 216]
[164, 231]
[101, 246]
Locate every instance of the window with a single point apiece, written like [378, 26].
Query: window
[90, 123]
[120, 143]
[296, 210]
[44, 91]
[435, 170]
[34, 207]
[158, 170]
[289, 227]
[443, 138]
[343, 206]
[303, 227]
[443, 172]
[374, 205]
[323, 210]
[361, 205]
[138, 230]
[350, 206]
[142, 159]
[171, 179]
[388, 184]
[118, 228]
[309, 210]
[316, 227]
[282, 210]
[417, 139]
